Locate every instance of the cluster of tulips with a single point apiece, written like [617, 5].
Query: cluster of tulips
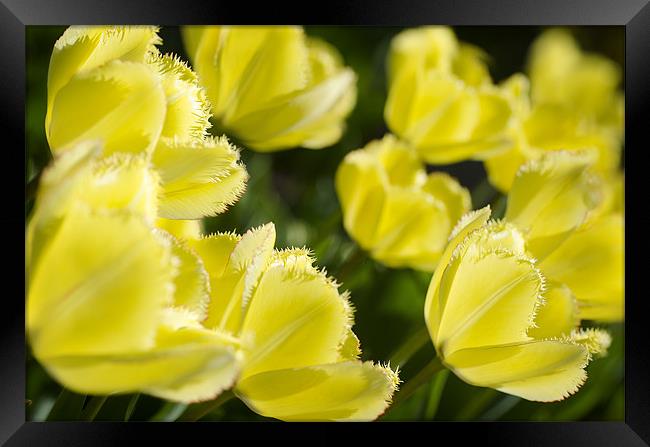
[125, 294]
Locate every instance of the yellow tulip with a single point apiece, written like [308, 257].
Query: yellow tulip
[300, 356]
[393, 209]
[573, 102]
[573, 223]
[199, 178]
[483, 307]
[591, 260]
[112, 84]
[272, 87]
[114, 305]
[547, 128]
[561, 73]
[551, 197]
[441, 98]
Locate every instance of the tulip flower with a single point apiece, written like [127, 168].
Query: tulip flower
[199, 178]
[300, 356]
[483, 307]
[571, 102]
[561, 73]
[114, 305]
[272, 88]
[441, 98]
[579, 241]
[112, 84]
[393, 209]
[551, 197]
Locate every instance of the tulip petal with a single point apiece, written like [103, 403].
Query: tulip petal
[553, 127]
[277, 68]
[562, 74]
[191, 283]
[235, 265]
[223, 56]
[447, 189]
[502, 168]
[558, 315]
[468, 223]
[187, 364]
[82, 48]
[106, 276]
[188, 110]
[361, 191]
[291, 119]
[296, 316]
[199, 178]
[411, 223]
[57, 187]
[540, 370]
[590, 262]
[488, 295]
[456, 137]
[122, 181]
[347, 391]
[433, 47]
[121, 103]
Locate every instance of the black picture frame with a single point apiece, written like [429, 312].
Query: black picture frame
[634, 15]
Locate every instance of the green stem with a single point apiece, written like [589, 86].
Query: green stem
[420, 379]
[169, 412]
[67, 406]
[130, 408]
[500, 408]
[92, 408]
[477, 405]
[412, 345]
[437, 387]
[197, 411]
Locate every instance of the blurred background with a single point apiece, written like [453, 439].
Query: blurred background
[295, 190]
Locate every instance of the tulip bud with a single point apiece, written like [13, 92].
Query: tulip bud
[300, 356]
[393, 209]
[114, 305]
[483, 306]
[441, 98]
[272, 87]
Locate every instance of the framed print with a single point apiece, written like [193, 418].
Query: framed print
[389, 213]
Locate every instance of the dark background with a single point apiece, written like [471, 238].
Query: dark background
[294, 189]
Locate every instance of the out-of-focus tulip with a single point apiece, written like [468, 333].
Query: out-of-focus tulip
[573, 101]
[551, 197]
[112, 84]
[483, 311]
[114, 305]
[573, 224]
[393, 209]
[588, 83]
[272, 87]
[441, 98]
